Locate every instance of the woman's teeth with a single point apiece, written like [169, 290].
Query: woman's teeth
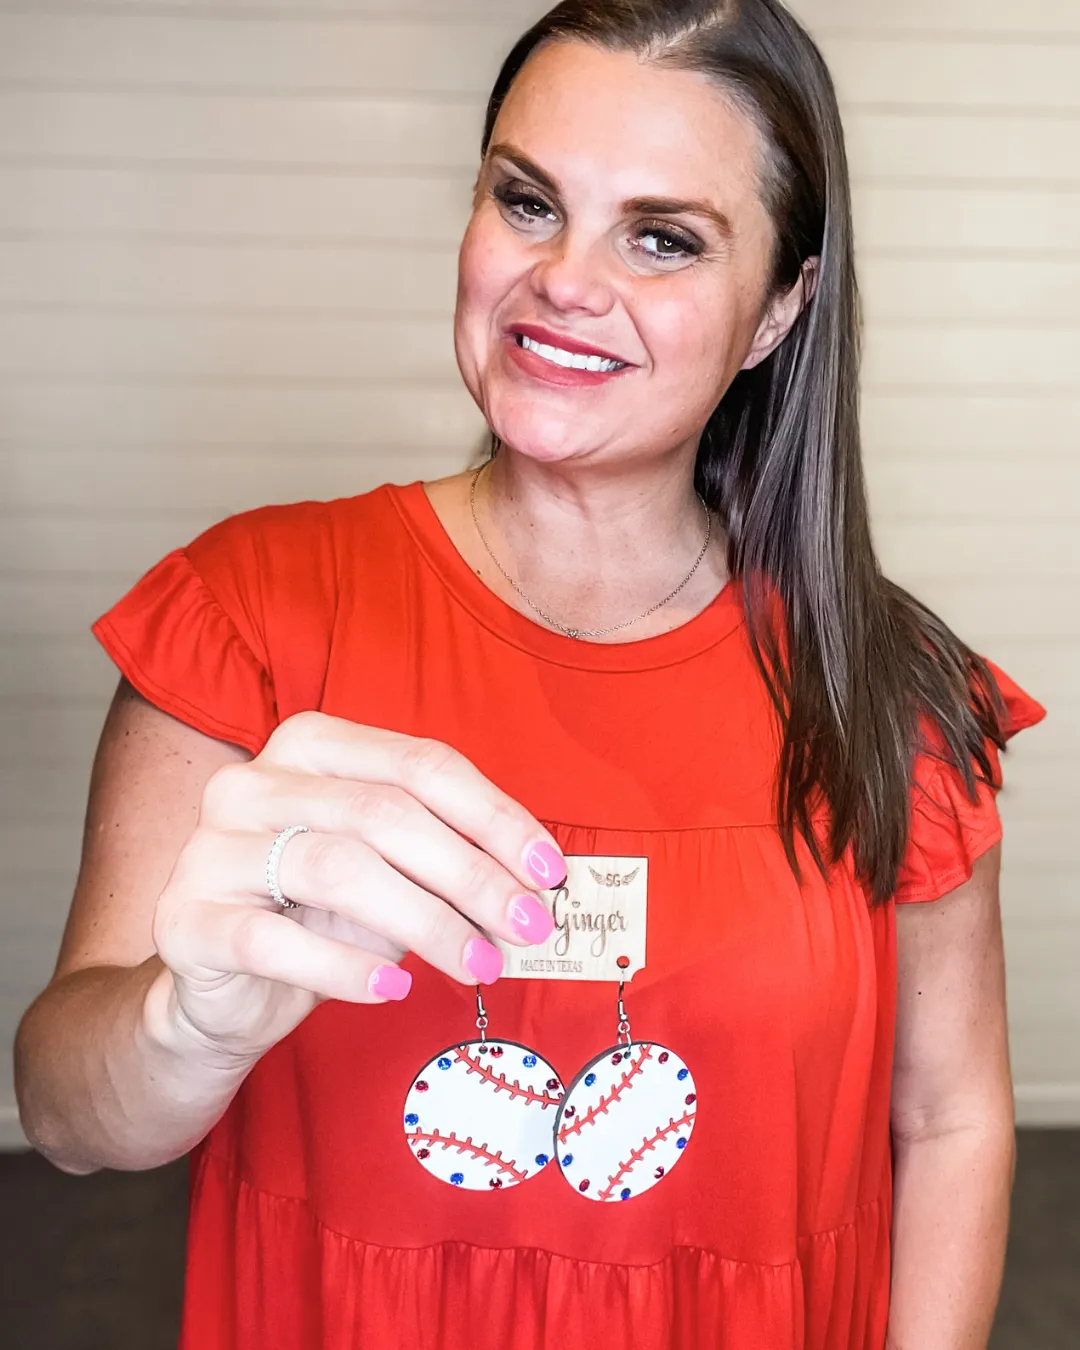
[574, 360]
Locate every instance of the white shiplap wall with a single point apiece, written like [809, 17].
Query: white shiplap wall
[227, 237]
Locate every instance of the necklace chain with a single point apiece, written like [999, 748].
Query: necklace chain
[587, 632]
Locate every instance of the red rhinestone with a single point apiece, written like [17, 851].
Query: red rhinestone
[616, 1059]
[658, 1173]
[570, 1111]
[421, 1086]
[496, 1051]
[691, 1099]
[583, 1185]
[553, 1085]
[423, 1153]
[663, 1057]
[623, 962]
[495, 1183]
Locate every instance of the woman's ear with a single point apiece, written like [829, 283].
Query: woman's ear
[781, 314]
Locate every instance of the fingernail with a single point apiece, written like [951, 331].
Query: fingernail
[483, 961]
[530, 919]
[546, 865]
[389, 982]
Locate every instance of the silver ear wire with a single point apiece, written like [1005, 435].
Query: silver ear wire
[481, 1017]
[624, 1036]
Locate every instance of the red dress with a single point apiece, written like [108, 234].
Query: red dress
[311, 1223]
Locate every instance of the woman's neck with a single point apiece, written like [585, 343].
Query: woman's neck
[591, 547]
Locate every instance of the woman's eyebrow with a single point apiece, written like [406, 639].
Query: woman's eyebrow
[644, 206]
[673, 206]
[527, 167]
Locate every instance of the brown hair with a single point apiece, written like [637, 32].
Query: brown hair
[855, 664]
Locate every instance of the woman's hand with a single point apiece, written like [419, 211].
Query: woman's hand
[410, 849]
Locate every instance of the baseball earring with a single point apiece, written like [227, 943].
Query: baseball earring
[626, 1118]
[479, 1115]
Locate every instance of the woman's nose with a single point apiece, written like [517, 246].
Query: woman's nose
[570, 277]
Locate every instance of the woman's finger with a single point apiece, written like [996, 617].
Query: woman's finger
[245, 940]
[348, 878]
[404, 832]
[447, 783]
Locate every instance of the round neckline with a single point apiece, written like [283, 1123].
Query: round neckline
[720, 617]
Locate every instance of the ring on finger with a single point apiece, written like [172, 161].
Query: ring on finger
[273, 864]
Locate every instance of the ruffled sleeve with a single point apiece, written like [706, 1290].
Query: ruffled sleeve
[950, 831]
[186, 636]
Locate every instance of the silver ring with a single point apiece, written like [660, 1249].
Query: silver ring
[273, 862]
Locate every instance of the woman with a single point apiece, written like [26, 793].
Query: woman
[716, 703]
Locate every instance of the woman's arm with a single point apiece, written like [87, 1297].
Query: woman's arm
[952, 1119]
[102, 1078]
[129, 1057]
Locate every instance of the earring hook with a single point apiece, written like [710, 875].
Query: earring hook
[624, 1036]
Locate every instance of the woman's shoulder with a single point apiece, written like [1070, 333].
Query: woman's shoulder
[294, 555]
[232, 629]
[260, 533]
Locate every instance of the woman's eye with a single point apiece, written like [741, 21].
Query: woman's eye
[523, 206]
[664, 245]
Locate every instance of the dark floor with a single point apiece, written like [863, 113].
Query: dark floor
[94, 1263]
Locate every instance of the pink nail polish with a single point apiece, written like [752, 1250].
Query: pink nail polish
[546, 865]
[530, 919]
[483, 961]
[389, 982]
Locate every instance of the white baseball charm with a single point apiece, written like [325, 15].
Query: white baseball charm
[480, 1115]
[625, 1121]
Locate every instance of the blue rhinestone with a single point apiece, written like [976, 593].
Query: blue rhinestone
[529, 1061]
[456, 1178]
[568, 1158]
[590, 1079]
[541, 1160]
[683, 1073]
[444, 1063]
[412, 1118]
[625, 1193]
[680, 1143]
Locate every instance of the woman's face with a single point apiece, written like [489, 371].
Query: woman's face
[614, 276]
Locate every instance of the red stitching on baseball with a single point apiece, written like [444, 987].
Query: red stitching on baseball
[616, 1092]
[638, 1153]
[500, 1084]
[467, 1146]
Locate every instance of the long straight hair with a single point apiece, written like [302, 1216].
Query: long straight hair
[856, 667]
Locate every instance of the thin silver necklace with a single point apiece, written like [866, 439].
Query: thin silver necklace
[587, 632]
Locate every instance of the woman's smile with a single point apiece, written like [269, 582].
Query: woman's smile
[542, 354]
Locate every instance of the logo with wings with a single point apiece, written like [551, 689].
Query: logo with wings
[613, 878]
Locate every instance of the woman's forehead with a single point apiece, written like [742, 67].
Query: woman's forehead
[617, 126]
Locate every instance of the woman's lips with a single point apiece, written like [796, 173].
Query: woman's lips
[539, 336]
[541, 368]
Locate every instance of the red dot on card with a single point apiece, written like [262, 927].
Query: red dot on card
[623, 962]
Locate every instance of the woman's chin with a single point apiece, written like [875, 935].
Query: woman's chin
[546, 438]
